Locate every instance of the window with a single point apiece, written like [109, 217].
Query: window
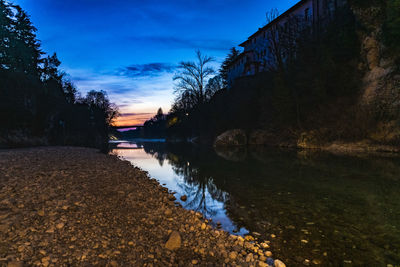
[307, 14]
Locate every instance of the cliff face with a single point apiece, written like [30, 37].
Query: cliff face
[380, 93]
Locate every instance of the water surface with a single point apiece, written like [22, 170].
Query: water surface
[327, 209]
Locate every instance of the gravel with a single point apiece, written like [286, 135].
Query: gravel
[64, 206]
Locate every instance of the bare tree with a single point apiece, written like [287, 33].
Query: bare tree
[281, 39]
[272, 15]
[192, 78]
[214, 85]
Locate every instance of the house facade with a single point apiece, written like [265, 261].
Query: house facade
[256, 55]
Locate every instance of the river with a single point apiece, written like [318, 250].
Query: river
[314, 208]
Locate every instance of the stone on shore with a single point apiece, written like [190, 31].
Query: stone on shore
[278, 263]
[168, 212]
[235, 137]
[78, 207]
[174, 241]
[233, 255]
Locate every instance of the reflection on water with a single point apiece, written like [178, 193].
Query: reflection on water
[332, 210]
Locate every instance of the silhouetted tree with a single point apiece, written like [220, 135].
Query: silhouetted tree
[192, 78]
[156, 126]
[36, 100]
[26, 51]
[50, 69]
[6, 35]
[281, 40]
[160, 114]
[70, 91]
[214, 85]
[99, 101]
[230, 58]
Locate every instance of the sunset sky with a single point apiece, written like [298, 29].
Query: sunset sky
[131, 48]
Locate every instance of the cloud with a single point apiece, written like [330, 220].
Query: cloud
[146, 70]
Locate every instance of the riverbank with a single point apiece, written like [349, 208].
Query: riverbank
[74, 206]
[310, 141]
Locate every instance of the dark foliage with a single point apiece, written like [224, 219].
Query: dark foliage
[36, 100]
[314, 87]
[230, 58]
[391, 27]
[156, 126]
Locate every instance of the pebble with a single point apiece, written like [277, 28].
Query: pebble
[168, 212]
[15, 264]
[279, 263]
[316, 262]
[233, 255]
[249, 257]
[50, 230]
[248, 238]
[270, 261]
[174, 241]
[45, 261]
[77, 187]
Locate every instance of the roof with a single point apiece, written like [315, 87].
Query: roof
[283, 15]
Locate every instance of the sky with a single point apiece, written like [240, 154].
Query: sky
[131, 48]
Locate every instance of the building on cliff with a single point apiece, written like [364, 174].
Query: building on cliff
[259, 50]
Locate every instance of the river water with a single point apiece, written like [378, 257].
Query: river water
[314, 208]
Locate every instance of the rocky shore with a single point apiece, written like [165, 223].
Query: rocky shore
[305, 141]
[62, 206]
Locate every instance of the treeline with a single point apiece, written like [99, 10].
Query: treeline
[312, 82]
[38, 104]
[197, 83]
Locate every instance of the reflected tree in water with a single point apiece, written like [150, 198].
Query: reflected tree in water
[199, 184]
[337, 200]
[200, 187]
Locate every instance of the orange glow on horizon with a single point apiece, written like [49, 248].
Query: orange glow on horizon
[131, 120]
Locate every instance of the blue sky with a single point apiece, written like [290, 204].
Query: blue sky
[130, 48]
